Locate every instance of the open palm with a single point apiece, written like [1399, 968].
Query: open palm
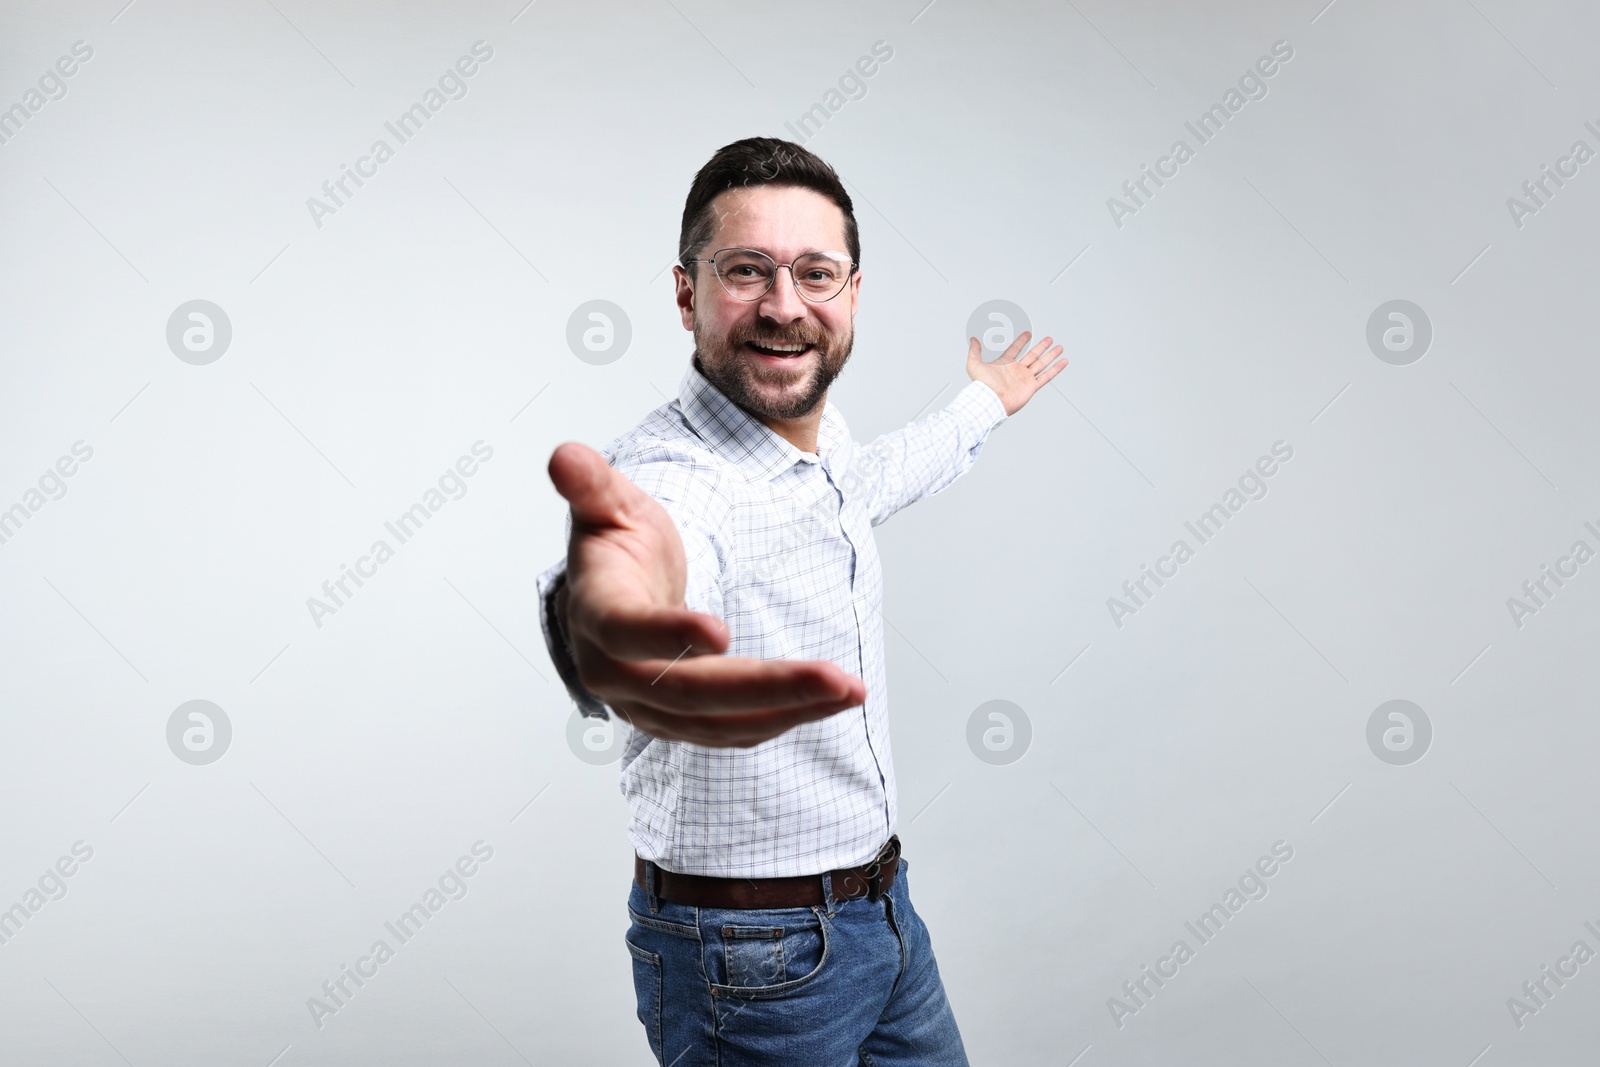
[1013, 376]
[636, 645]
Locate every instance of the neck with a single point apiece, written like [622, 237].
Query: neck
[801, 432]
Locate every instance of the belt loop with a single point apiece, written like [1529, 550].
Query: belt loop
[827, 892]
[650, 886]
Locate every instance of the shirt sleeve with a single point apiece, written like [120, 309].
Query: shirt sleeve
[549, 587]
[921, 460]
[690, 487]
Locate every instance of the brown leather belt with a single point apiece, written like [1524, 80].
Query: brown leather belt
[801, 891]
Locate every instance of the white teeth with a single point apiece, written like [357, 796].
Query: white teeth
[781, 348]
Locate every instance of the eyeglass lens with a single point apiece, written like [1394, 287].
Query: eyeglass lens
[748, 274]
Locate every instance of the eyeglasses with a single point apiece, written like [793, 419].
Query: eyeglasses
[747, 274]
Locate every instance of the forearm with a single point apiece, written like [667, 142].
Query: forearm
[922, 459]
[553, 620]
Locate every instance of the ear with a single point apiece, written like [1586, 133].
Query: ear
[684, 295]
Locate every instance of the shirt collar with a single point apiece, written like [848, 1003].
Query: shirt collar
[749, 443]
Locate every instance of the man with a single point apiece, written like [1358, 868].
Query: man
[771, 916]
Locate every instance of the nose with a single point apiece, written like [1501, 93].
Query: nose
[782, 303]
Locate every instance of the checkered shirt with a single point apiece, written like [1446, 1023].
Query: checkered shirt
[779, 545]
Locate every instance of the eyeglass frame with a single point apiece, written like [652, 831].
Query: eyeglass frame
[854, 267]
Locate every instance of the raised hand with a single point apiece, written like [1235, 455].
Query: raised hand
[636, 645]
[1015, 377]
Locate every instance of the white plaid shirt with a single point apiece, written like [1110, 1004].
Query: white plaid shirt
[794, 575]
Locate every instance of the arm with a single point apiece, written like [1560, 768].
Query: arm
[552, 586]
[636, 643]
[902, 467]
[696, 507]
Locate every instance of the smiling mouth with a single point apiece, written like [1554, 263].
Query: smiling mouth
[779, 351]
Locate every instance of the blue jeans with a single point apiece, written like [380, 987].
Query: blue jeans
[847, 983]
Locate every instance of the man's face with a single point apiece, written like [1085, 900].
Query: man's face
[729, 334]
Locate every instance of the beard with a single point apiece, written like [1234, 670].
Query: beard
[779, 392]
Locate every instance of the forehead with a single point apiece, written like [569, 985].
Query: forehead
[785, 220]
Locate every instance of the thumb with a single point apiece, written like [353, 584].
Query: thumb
[597, 493]
[974, 354]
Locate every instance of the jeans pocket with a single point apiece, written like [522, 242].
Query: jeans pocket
[647, 983]
[752, 956]
[761, 960]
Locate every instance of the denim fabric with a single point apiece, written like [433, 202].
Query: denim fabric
[847, 983]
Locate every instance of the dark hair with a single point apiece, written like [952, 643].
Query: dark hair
[751, 162]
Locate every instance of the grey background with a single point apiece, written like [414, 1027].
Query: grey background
[430, 312]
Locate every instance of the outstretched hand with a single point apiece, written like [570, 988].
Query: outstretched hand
[1013, 376]
[641, 650]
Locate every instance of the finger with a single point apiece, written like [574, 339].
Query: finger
[1010, 354]
[1044, 377]
[735, 729]
[1045, 362]
[716, 685]
[1034, 352]
[642, 632]
[599, 495]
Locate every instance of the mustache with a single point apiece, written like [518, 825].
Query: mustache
[816, 338]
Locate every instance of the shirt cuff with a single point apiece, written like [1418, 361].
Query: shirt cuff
[979, 404]
[549, 586]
